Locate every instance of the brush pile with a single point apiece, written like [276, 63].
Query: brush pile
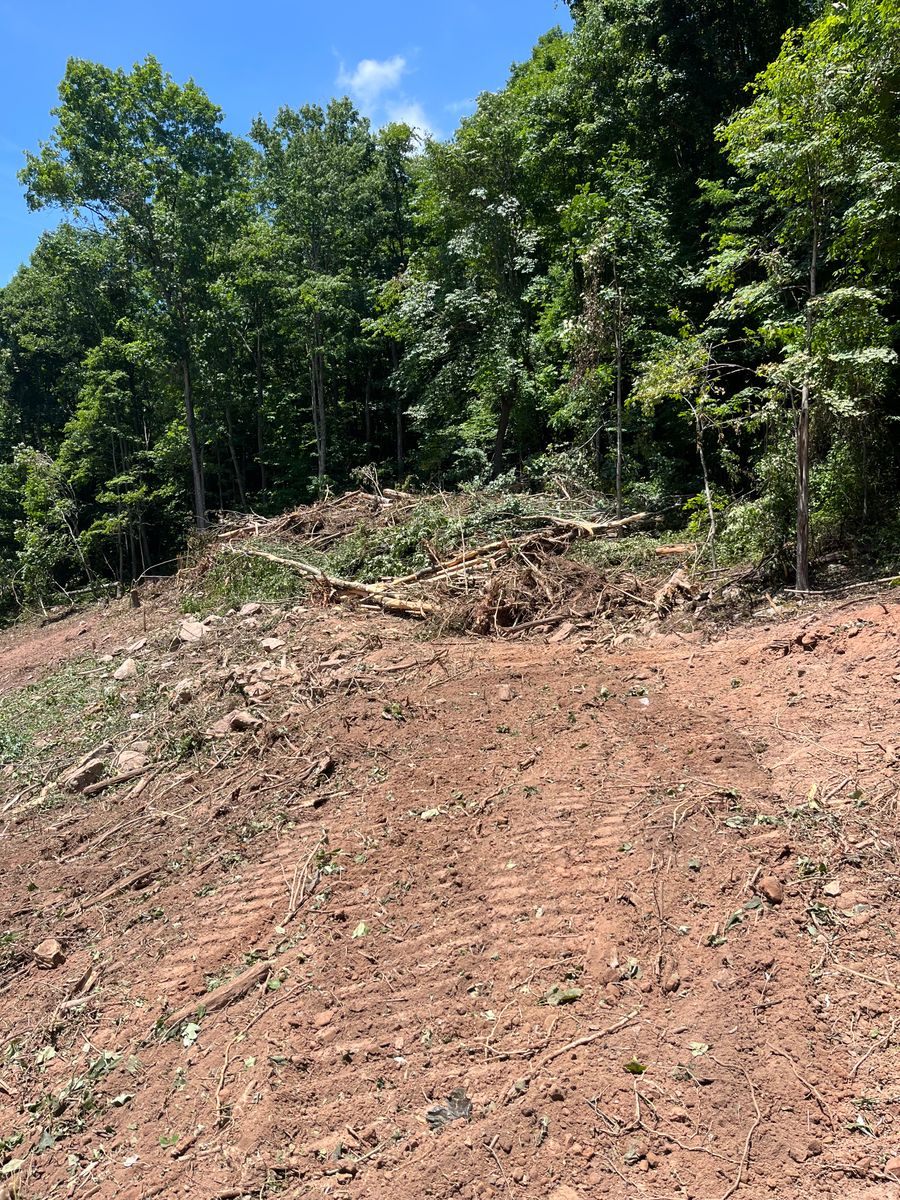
[520, 578]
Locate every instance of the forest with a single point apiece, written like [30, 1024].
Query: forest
[664, 260]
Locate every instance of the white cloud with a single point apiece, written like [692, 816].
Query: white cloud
[377, 88]
[370, 79]
[411, 112]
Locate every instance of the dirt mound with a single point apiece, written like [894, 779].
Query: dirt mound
[385, 914]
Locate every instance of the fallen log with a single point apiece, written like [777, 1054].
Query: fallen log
[375, 592]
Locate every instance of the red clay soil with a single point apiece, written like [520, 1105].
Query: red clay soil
[639, 906]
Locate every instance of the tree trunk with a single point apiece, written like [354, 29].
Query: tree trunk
[506, 405]
[398, 416]
[317, 400]
[367, 412]
[260, 438]
[238, 473]
[620, 417]
[802, 572]
[196, 461]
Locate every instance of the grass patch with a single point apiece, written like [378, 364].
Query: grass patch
[61, 716]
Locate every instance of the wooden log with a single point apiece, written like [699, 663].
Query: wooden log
[376, 592]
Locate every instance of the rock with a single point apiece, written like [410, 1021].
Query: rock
[239, 721]
[809, 641]
[323, 1018]
[133, 647]
[815, 1148]
[249, 610]
[272, 643]
[183, 691]
[49, 954]
[77, 778]
[127, 670]
[672, 984]
[892, 1166]
[771, 888]
[797, 1153]
[832, 889]
[504, 693]
[564, 1192]
[130, 760]
[191, 631]
[141, 747]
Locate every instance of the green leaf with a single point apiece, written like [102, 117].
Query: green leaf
[635, 1068]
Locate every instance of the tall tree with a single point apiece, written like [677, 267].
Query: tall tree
[150, 160]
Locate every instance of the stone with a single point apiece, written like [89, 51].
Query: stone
[249, 610]
[771, 888]
[130, 760]
[127, 670]
[191, 631]
[892, 1166]
[323, 1018]
[77, 778]
[504, 693]
[183, 691]
[671, 984]
[240, 721]
[49, 954]
[272, 643]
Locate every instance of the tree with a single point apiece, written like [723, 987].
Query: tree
[793, 145]
[320, 186]
[147, 158]
[621, 231]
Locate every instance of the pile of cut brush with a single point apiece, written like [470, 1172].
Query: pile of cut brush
[523, 580]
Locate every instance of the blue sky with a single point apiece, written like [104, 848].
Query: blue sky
[422, 61]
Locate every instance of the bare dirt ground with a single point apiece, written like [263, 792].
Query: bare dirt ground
[635, 910]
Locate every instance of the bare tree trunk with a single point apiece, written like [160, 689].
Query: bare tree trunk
[398, 417]
[317, 398]
[620, 417]
[368, 412]
[710, 508]
[238, 474]
[260, 439]
[506, 405]
[802, 573]
[196, 461]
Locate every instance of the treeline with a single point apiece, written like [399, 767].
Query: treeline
[666, 256]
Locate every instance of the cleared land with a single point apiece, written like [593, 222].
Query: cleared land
[632, 898]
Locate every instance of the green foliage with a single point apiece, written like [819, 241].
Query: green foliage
[230, 582]
[667, 245]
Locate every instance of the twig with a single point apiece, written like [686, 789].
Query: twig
[757, 1121]
[817, 1096]
[514, 1088]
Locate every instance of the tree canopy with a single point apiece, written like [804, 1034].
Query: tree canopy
[663, 256]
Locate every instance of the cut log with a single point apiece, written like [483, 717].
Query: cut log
[379, 593]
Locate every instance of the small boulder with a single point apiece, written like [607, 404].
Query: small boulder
[240, 721]
[82, 775]
[183, 691]
[771, 888]
[191, 631]
[249, 610]
[130, 760]
[127, 670]
[48, 954]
